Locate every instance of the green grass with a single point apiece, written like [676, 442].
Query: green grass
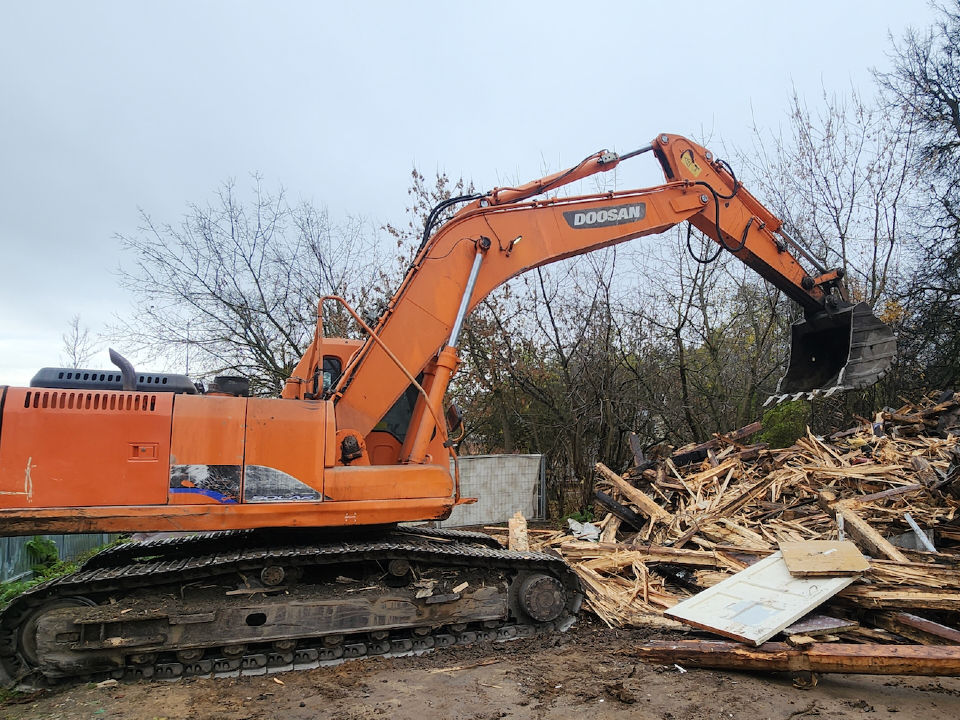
[47, 566]
[581, 516]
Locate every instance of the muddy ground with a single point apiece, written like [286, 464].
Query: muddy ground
[588, 674]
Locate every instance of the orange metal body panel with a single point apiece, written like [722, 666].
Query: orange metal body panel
[383, 448]
[67, 448]
[207, 518]
[286, 436]
[208, 430]
[86, 476]
[330, 437]
[206, 449]
[401, 482]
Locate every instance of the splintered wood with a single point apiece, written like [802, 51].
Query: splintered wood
[675, 526]
[519, 540]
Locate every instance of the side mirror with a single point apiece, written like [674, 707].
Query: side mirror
[454, 418]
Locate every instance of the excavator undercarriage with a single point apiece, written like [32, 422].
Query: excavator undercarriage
[254, 601]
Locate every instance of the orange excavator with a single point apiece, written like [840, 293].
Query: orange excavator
[291, 549]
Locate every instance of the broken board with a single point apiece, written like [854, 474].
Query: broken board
[815, 625]
[757, 603]
[818, 558]
[821, 658]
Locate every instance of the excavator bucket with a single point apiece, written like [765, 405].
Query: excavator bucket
[846, 349]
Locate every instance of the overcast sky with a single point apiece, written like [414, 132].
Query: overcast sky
[107, 107]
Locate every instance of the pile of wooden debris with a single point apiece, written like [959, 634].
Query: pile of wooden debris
[676, 526]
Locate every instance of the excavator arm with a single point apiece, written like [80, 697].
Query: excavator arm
[509, 231]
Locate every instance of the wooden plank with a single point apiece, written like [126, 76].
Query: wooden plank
[743, 551]
[697, 558]
[849, 432]
[643, 502]
[869, 635]
[937, 575]
[698, 453]
[814, 625]
[710, 473]
[518, 539]
[870, 659]
[904, 598]
[621, 512]
[737, 503]
[924, 470]
[939, 407]
[815, 558]
[688, 457]
[575, 550]
[864, 499]
[750, 453]
[757, 603]
[915, 628]
[609, 534]
[858, 528]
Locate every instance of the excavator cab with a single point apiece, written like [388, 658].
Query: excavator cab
[845, 347]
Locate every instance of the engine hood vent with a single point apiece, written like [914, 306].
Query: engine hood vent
[81, 379]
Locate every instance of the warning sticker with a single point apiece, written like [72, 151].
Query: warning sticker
[686, 157]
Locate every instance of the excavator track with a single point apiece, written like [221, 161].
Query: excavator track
[242, 603]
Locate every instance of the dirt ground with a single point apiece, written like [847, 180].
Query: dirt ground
[588, 672]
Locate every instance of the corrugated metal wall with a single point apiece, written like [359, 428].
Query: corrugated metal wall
[503, 484]
[15, 558]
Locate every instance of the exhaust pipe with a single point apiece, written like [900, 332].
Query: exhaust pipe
[126, 370]
[833, 351]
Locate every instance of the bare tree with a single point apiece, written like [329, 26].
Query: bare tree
[841, 178]
[237, 283]
[924, 87]
[78, 345]
[714, 337]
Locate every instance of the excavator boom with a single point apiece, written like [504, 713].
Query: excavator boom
[527, 232]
